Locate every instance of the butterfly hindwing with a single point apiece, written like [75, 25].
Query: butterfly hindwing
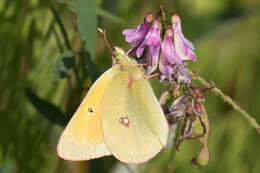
[134, 126]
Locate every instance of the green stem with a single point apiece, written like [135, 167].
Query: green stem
[169, 164]
[175, 142]
[227, 99]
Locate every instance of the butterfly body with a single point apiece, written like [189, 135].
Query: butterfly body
[120, 116]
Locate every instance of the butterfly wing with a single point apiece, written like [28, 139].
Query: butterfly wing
[82, 139]
[134, 126]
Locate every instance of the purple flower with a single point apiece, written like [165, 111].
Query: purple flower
[153, 36]
[181, 74]
[137, 35]
[184, 47]
[165, 67]
[153, 43]
[152, 58]
[168, 51]
[168, 56]
[179, 106]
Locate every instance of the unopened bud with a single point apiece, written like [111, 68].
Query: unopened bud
[149, 17]
[175, 18]
[200, 98]
[197, 108]
[176, 91]
[195, 91]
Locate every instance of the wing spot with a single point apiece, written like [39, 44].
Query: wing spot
[131, 80]
[90, 110]
[124, 121]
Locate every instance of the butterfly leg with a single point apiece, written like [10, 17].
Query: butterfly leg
[141, 64]
[151, 76]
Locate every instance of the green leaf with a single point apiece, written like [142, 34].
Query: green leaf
[61, 26]
[101, 12]
[92, 69]
[64, 65]
[87, 22]
[47, 109]
[70, 4]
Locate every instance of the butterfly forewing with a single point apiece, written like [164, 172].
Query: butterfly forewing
[82, 139]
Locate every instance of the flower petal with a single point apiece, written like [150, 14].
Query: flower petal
[184, 48]
[168, 50]
[137, 35]
[185, 40]
[178, 39]
[153, 36]
[165, 67]
[178, 107]
[178, 103]
[152, 59]
[132, 35]
[132, 31]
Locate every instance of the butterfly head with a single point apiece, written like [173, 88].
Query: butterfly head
[122, 57]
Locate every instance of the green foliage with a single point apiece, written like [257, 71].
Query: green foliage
[92, 69]
[86, 21]
[64, 65]
[50, 111]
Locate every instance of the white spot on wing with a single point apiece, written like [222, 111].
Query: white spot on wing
[124, 121]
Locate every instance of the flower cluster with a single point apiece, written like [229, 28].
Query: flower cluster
[188, 103]
[160, 42]
[165, 48]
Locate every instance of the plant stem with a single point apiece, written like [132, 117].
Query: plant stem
[227, 99]
[169, 165]
[175, 142]
[129, 169]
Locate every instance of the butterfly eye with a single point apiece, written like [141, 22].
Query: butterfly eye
[90, 110]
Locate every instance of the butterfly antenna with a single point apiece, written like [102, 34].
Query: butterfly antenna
[103, 32]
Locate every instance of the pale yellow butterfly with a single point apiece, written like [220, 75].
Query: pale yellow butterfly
[120, 116]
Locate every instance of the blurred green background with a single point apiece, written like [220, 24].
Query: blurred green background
[41, 85]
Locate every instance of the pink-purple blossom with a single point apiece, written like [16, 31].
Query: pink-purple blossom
[166, 52]
[138, 34]
[153, 43]
[178, 107]
[184, 47]
[168, 56]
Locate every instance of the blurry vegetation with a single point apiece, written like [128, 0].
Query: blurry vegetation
[35, 103]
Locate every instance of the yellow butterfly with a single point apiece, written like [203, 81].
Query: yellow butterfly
[120, 115]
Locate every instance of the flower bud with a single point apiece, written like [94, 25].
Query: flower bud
[178, 107]
[148, 18]
[197, 109]
[176, 91]
[200, 97]
[195, 91]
